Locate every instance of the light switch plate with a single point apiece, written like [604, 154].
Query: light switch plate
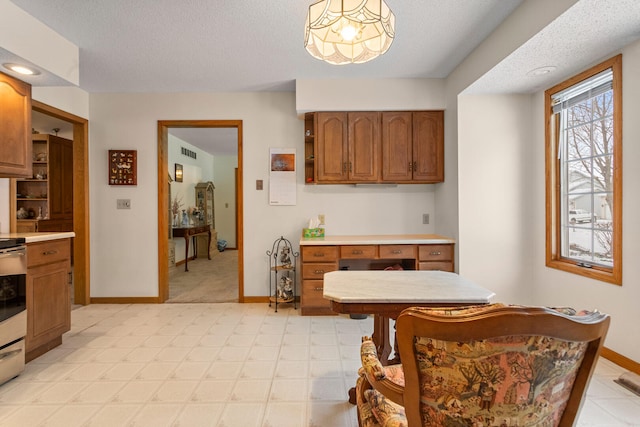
[124, 204]
[258, 184]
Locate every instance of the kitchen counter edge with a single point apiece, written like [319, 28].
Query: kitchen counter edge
[39, 237]
[382, 239]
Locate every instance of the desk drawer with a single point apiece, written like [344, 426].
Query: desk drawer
[436, 265]
[436, 253]
[316, 270]
[319, 253]
[312, 294]
[47, 252]
[359, 252]
[397, 251]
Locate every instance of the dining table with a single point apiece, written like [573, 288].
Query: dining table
[386, 293]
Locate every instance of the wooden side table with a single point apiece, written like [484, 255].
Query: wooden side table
[188, 232]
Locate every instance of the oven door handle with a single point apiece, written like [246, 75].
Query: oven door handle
[9, 354]
[12, 254]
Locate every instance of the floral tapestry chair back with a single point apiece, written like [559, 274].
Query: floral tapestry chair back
[490, 365]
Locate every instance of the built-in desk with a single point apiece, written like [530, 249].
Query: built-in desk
[188, 232]
[322, 255]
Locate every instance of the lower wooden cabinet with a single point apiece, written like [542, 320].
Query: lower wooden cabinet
[48, 295]
[320, 259]
[435, 257]
[316, 261]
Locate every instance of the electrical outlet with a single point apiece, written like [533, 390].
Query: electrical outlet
[425, 218]
[321, 219]
[124, 204]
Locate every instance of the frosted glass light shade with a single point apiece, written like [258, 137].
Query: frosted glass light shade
[349, 31]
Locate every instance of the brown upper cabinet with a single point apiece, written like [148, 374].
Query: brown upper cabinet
[404, 147]
[348, 147]
[15, 128]
[412, 146]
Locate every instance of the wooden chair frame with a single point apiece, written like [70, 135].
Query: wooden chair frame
[496, 322]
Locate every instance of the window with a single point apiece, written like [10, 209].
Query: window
[584, 173]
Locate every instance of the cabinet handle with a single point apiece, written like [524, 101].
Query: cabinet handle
[435, 253]
[318, 254]
[410, 167]
[9, 354]
[51, 252]
[415, 166]
[356, 252]
[318, 271]
[350, 167]
[317, 289]
[344, 167]
[396, 252]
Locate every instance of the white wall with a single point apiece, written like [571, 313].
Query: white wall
[224, 197]
[557, 287]
[124, 242]
[369, 94]
[28, 38]
[4, 205]
[495, 194]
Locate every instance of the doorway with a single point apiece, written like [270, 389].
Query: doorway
[164, 127]
[80, 148]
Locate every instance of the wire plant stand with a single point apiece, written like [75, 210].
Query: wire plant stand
[282, 273]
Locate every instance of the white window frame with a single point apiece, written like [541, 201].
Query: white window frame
[557, 206]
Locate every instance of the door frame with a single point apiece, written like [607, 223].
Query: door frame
[81, 249]
[163, 194]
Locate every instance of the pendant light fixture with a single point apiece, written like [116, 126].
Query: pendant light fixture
[349, 31]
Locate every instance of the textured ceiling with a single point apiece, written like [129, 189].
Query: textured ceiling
[237, 45]
[241, 45]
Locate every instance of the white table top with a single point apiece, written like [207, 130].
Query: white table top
[405, 286]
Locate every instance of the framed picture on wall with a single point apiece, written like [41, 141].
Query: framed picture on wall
[123, 167]
[178, 173]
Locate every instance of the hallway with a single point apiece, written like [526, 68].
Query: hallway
[207, 281]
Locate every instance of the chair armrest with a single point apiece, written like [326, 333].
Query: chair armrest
[374, 373]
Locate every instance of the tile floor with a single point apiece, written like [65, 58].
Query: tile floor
[218, 365]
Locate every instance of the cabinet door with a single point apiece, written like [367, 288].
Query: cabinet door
[397, 146]
[60, 178]
[364, 146]
[48, 303]
[15, 128]
[331, 153]
[428, 146]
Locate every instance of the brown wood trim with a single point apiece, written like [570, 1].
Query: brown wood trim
[163, 193]
[125, 300]
[552, 180]
[81, 242]
[620, 360]
[256, 299]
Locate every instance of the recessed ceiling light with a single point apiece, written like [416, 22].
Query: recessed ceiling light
[21, 69]
[541, 71]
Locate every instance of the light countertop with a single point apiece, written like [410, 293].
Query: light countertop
[406, 286]
[378, 239]
[39, 237]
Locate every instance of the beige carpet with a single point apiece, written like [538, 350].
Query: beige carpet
[214, 280]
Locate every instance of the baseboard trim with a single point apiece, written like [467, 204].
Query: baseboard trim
[256, 300]
[620, 360]
[125, 300]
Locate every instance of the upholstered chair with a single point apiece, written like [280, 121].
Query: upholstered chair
[491, 365]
